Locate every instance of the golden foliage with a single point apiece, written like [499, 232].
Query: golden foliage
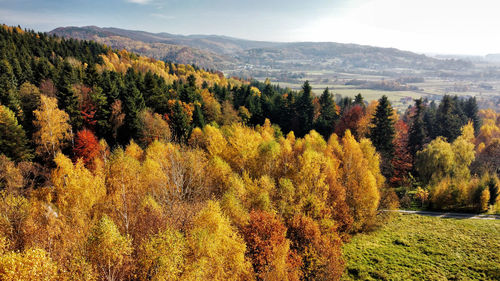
[32, 264]
[53, 127]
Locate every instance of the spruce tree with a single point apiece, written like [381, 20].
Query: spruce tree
[198, 119]
[179, 123]
[305, 110]
[8, 87]
[358, 99]
[325, 124]
[471, 111]
[66, 96]
[133, 104]
[382, 134]
[416, 138]
[431, 128]
[447, 119]
[13, 141]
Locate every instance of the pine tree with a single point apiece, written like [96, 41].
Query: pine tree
[8, 86]
[431, 128]
[471, 111]
[66, 96]
[133, 105]
[382, 133]
[179, 123]
[198, 120]
[325, 124]
[305, 110]
[417, 137]
[358, 99]
[448, 119]
[13, 141]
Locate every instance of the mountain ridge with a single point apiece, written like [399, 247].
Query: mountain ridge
[225, 52]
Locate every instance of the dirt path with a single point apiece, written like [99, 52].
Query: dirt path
[451, 215]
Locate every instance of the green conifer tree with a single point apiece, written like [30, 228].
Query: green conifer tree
[325, 124]
[13, 141]
[382, 134]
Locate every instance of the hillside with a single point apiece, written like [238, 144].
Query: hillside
[230, 53]
[146, 44]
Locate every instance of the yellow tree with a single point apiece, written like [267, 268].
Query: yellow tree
[108, 250]
[31, 264]
[11, 178]
[175, 173]
[243, 147]
[213, 141]
[14, 210]
[162, 257]
[77, 191]
[463, 148]
[216, 251]
[123, 185]
[441, 159]
[362, 191]
[154, 127]
[53, 127]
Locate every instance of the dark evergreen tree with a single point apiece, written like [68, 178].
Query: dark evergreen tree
[382, 134]
[358, 99]
[325, 124]
[29, 95]
[8, 87]
[416, 133]
[471, 111]
[102, 113]
[191, 81]
[43, 70]
[91, 76]
[447, 119]
[133, 105]
[13, 141]
[198, 119]
[304, 110]
[179, 123]
[431, 128]
[66, 96]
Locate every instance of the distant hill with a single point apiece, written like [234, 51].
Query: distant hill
[146, 44]
[493, 57]
[224, 52]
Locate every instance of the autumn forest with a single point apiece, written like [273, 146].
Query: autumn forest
[116, 166]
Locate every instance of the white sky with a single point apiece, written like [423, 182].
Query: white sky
[430, 26]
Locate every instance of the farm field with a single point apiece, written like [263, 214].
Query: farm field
[400, 100]
[414, 247]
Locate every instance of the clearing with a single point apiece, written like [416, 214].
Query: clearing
[414, 247]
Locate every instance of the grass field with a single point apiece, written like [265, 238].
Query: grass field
[413, 247]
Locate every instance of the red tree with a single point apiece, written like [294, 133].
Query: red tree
[87, 106]
[402, 161]
[265, 236]
[321, 254]
[350, 120]
[86, 146]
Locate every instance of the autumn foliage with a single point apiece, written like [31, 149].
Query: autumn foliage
[178, 173]
[86, 146]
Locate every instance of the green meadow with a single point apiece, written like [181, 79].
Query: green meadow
[414, 247]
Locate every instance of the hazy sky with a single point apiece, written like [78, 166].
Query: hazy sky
[425, 26]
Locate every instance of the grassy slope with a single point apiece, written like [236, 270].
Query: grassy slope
[413, 247]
